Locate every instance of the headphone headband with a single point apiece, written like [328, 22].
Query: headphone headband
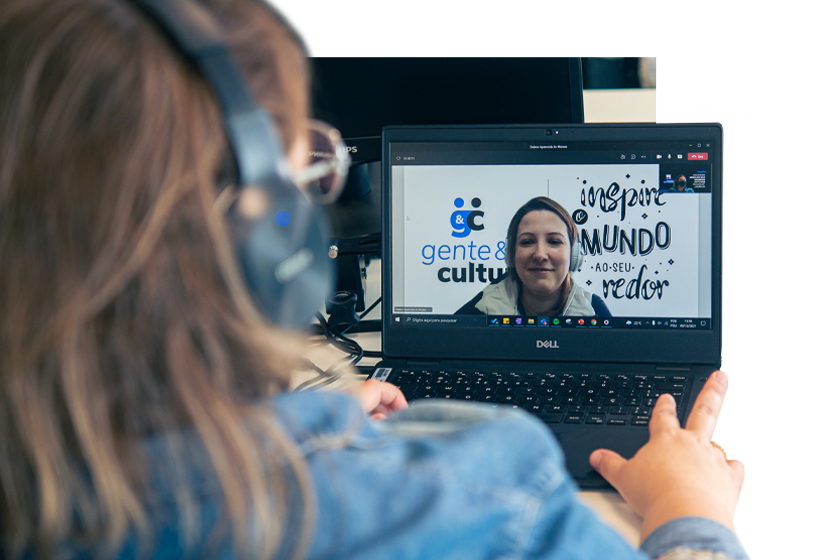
[194, 32]
[284, 261]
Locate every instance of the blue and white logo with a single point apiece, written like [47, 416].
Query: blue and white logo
[463, 221]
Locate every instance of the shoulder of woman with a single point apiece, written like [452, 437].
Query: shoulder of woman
[470, 307]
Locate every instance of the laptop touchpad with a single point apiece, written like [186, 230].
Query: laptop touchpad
[580, 443]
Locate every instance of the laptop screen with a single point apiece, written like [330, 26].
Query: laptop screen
[562, 229]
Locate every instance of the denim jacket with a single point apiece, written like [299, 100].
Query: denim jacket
[442, 480]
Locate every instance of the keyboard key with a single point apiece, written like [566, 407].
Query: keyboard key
[617, 422]
[595, 419]
[669, 387]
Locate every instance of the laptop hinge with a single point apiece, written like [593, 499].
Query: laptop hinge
[672, 367]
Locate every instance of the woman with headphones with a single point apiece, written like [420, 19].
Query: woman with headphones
[543, 249]
[156, 242]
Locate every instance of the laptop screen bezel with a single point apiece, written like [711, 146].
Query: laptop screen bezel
[571, 345]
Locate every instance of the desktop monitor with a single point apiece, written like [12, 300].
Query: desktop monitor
[361, 95]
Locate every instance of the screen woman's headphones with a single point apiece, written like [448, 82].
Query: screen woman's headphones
[576, 255]
[280, 237]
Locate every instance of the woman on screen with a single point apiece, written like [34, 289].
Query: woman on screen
[543, 249]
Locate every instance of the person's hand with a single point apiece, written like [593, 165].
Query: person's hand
[678, 473]
[380, 399]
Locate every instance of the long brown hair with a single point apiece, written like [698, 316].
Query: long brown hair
[538, 203]
[122, 310]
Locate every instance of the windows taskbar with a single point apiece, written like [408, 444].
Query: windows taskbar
[513, 321]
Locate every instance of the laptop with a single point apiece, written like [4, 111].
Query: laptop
[584, 333]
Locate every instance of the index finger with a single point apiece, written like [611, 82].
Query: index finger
[392, 397]
[376, 394]
[664, 416]
[708, 405]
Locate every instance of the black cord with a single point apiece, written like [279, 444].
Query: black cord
[370, 308]
[334, 372]
[343, 343]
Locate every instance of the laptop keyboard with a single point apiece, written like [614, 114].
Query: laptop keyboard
[572, 398]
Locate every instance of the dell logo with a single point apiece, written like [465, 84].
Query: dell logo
[546, 344]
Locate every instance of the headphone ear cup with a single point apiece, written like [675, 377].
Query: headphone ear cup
[282, 252]
[576, 256]
[280, 238]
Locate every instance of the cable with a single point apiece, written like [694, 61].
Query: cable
[343, 343]
[335, 371]
[370, 308]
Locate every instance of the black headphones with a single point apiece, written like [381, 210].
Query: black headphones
[280, 237]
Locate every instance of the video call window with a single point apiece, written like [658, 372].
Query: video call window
[555, 245]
